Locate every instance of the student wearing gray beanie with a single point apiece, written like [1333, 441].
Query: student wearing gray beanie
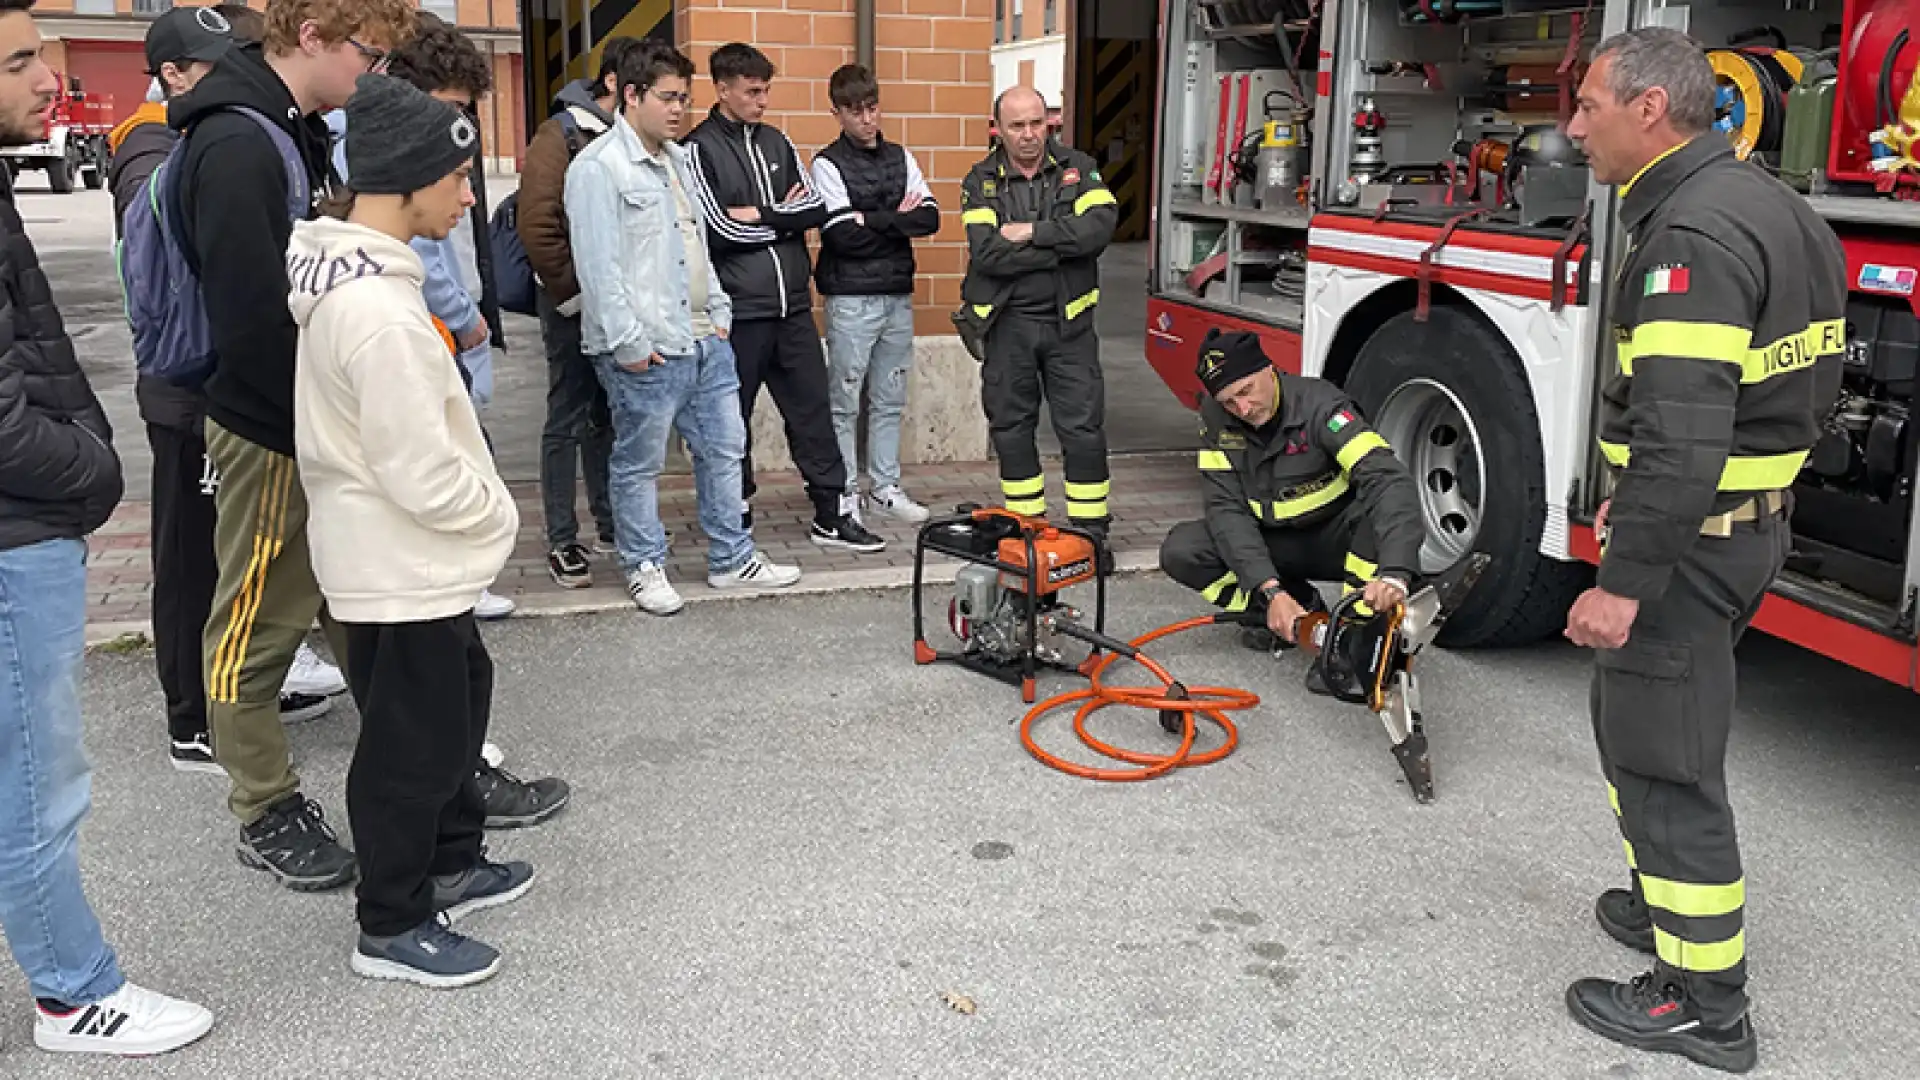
[403, 140]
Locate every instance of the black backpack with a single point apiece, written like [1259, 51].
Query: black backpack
[512, 273]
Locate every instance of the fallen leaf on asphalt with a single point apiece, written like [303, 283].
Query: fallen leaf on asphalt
[959, 1003]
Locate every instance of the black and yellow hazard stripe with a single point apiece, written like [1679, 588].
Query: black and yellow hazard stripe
[1025, 496]
[269, 536]
[1088, 502]
[566, 47]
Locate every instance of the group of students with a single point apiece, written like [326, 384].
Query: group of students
[675, 282]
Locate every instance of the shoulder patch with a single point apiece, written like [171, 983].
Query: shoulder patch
[987, 188]
[1341, 419]
[1071, 176]
[1666, 280]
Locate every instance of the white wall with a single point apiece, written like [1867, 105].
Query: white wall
[1049, 56]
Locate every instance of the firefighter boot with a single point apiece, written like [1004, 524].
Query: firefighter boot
[1652, 1013]
[1623, 914]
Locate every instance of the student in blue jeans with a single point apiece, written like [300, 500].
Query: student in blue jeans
[59, 481]
[654, 321]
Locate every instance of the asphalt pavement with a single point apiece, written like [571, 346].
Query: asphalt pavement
[788, 842]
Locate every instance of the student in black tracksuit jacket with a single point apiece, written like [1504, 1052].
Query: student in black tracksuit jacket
[759, 206]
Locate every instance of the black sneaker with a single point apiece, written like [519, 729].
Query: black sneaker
[431, 954]
[1651, 1013]
[1624, 915]
[487, 885]
[194, 755]
[293, 842]
[847, 535]
[570, 566]
[298, 708]
[513, 803]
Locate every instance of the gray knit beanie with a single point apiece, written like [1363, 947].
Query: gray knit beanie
[400, 140]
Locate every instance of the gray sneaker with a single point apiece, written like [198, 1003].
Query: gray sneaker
[431, 954]
[487, 885]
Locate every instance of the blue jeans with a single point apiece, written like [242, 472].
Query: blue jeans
[870, 341]
[699, 395]
[45, 781]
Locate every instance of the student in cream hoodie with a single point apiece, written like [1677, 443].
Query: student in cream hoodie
[410, 522]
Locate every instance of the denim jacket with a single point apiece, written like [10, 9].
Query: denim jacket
[628, 250]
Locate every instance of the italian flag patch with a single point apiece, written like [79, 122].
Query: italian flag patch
[1665, 281]
[1340, 419]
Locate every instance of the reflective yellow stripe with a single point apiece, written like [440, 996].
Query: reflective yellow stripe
[1089, 492]
[1694, 956]
[1239, 602]
[1694, 901]
[1760, 472]
[1632, 863]
[983, 310]
[1361, 568]
[1081, 509]
[1307, 504]
[1259, 509]
[1096, 197]
[1215, 461]
[1211, 594]
[1734, 345]
[1613, 798]
[1358, 447]
[1078, 307]
[1014, 489]
[1029, 507]
[985, 215]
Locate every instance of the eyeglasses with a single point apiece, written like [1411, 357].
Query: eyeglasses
[376, 58]
[682, 98]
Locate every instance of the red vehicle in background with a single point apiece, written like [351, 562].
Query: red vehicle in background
[76, 144]
[1383, 190]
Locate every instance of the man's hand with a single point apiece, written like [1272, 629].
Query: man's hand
[794, 192]
[1600, 516]
[1282, 614]
[1601, 620]
[474, 338]
[746, 215]
[911, 202]
[1017, 232]
[652, 360]
[1383, 595]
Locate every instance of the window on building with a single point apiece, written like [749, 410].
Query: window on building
[140, 7]
[999, 21]
[97, 7]
[1019, 16]
[1048, 18]
[449, 10]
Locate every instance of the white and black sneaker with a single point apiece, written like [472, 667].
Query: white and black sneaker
[130, 1022]
[298, 708]
[570, 566]
[758, 572]
[652, 592]
[293, 842]
[894, 503]
[846, 534]
[194, 754]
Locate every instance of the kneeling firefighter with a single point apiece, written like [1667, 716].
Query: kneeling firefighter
[1297, 489]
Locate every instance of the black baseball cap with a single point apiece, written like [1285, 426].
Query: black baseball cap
[187, 33]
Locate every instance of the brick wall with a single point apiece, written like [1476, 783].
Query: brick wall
[936, 79]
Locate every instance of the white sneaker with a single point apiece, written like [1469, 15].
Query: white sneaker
[493, 606]
[492, 755]
[312, 675]
[850, 505]
[130, 1022]
[759, 572]
[651, 590]
[893, 502]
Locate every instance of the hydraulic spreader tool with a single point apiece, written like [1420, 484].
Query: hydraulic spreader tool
[1009, 616]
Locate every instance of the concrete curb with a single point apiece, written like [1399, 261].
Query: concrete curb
[138, 633]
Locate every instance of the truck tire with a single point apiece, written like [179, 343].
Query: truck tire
[93, 167]
[60, 172]
[1450, 397]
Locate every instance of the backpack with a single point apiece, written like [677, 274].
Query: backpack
[513, 279]
[165, 310]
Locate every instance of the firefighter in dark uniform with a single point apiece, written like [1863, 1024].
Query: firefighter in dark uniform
[1297, 489]
[1038, 216]
[1729, 330]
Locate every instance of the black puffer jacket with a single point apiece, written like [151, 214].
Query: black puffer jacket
[59, 476]
[764, 268]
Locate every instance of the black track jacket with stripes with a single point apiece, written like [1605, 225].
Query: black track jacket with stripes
[764, 267]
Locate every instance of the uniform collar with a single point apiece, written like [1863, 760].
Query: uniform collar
[1003, 166]
[1640, 196]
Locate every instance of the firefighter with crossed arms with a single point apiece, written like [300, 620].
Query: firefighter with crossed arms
[1729, 324]
[1298, 488]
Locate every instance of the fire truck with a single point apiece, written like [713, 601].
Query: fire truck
[1384, 191]
[75, 147]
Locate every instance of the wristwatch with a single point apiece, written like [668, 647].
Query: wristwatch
[1269, 594]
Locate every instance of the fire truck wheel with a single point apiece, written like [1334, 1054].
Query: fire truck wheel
[1450, 397]
[60, 174]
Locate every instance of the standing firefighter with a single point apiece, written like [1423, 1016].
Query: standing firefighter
[1729, 323]
[1038, 217]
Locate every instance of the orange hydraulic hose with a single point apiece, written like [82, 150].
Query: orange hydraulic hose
[1212, 702]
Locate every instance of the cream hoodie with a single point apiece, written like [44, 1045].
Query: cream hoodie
[408, 518]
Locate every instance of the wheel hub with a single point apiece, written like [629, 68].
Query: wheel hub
[1436, 439]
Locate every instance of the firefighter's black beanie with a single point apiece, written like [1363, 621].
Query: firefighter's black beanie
[1227, 358]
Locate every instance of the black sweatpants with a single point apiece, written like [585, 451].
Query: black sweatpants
[1662, 712]
[425, 691]
[184, 572]
[1026, 357]
[785, 356]
[1340, 549]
